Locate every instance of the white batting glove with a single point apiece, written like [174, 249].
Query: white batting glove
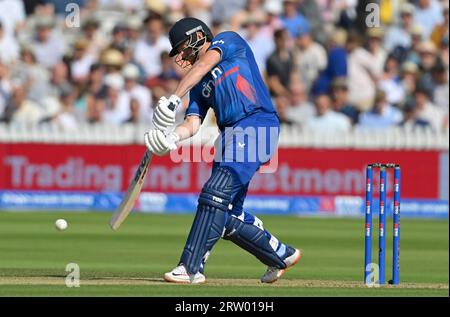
[164, 114]
[159, 143]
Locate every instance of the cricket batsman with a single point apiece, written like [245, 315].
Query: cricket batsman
[222, 75]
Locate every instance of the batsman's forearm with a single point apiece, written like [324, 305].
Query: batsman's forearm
[184, 132]
[191, 79]
[188, 128]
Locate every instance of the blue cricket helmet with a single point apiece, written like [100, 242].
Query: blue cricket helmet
[182, 31]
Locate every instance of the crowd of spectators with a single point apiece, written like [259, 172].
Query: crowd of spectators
[329, 65]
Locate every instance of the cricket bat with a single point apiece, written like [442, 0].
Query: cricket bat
[132, 193]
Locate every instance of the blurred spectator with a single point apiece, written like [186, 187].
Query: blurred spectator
[113, 61]
[328, 10]
[310, 57]
[339, 93]
[336, 64]
[348, 13]
[292, 19]
[311, 11]
[116, 66]
[141, 95]
[387, 14]
[362, 73]
[47, 46]
[224, 10]
[12, 16]
[390, 82]
[95, 108]
[59, 79]
[149, 48]
[58, 85]
[426, 110]
[411, 120]
[9, 50]
[95, 79]
[441, 91]
[282, 105]
[160, 8]
[128, 5]
[375, 48]
[81, 61]
[119, 35]
[428, 15]
[20, 109]
[200, 9]
[117, 105]
[401, 35]
[280, 65]
[135, 113]
[169, 71]
[32, 5]
[444, 53]
[273, 21]
[91, 6]
[261, 44]
[66, 117]
[216, 27]
[165, 83]
[412, 53]
[96, 41]
[327, 120]
[274, 10]
[382, 115]
[128, 58]
[441, 30]
[428, 59]
[5, 88]
[300, 110]
[409, 76]
[32, 74]
[134, 27]
[253, 11]
[87, 92]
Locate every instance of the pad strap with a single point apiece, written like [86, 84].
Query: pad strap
[254, 240]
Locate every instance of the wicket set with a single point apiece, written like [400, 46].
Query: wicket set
[382, 225]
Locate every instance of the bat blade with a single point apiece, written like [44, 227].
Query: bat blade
[132, 193]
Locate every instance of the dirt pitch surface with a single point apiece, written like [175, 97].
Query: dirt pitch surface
[212, 282]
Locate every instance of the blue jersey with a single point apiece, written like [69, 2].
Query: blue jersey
[234, 88]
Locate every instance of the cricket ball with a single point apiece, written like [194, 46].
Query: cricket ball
[61, 224]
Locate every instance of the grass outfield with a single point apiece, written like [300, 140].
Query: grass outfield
[131, 261]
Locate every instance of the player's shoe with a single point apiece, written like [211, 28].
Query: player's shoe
[180, 275]
[273, 273]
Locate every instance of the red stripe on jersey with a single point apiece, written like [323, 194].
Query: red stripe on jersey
[246, 89]
[228, 73]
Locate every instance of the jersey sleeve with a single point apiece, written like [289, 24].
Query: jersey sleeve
[226, 44]
[195, 108]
